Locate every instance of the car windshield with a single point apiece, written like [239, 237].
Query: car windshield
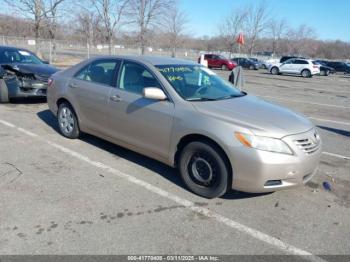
[18, 56]
[198, 83]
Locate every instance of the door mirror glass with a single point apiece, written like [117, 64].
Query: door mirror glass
[154, 93]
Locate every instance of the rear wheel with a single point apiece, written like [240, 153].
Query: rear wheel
[323, 73]
[224, 67]
[306, 73]
[4, 96]
[275, 71]
[251, 67]
[67, 121]
[203, 169]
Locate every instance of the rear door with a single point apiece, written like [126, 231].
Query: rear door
[209, 58]
[90, 90]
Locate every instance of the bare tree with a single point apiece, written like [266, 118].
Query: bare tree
[110, 12]
[51, 14]
[231, 26]
[36, 10]
[147, 13]
[277, 30]
[256, 23]
[176, 23]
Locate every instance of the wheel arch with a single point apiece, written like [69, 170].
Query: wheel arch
[185, 140]
[65, 100]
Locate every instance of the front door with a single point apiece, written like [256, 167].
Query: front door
[141, 122]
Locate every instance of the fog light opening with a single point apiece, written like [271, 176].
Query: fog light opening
[273, 183]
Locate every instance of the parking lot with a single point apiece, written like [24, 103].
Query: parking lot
[88, 196]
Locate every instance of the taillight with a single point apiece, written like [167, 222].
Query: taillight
[49, 82]
[315, 66]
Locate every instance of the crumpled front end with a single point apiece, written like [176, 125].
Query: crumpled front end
[21, 84]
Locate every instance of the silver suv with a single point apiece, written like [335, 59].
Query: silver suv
[186, 116]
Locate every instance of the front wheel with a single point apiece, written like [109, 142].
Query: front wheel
[4, 95]
[203, 169]
[275, 71]
[67, 121]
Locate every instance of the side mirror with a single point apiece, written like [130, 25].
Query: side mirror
[154, 93]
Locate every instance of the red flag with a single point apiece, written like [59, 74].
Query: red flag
[240, 39]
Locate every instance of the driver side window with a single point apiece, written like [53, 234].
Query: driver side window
[134, 78]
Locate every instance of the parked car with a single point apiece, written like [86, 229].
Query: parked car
[246, 63]
[324, 69]
[185, 115]
[22, 74]
[296, 66]
[260, 63]
[218, 61]
[287, 57]
[268, 62]
[339, 66]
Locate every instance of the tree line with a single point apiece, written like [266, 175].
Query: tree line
[162, 24]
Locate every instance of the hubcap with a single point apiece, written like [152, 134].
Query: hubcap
[203, 169]
[66, 120]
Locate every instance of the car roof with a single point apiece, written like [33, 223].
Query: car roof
[3, 47]
[154, 60]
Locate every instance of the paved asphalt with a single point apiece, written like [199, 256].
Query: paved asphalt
[88, 196]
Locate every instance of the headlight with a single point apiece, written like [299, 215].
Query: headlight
[264, 143]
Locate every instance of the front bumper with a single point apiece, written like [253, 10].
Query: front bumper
[18, 89]
[258, 171]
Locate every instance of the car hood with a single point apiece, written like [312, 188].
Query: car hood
[36, 69]
[260, 117]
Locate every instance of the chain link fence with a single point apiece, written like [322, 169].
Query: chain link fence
[65, 53]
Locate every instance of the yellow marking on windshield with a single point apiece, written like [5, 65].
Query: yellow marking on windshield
[175, 78]
[175, 69]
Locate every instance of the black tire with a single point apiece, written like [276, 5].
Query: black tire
[4, 95]
[275, 70]
[224, 68]
[204, 170]
[306, 73]
[323, 73]
[327, 73]
[251, 67]
[68, 121]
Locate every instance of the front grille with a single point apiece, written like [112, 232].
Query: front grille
[308, 145]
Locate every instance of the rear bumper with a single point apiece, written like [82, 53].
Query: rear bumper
[259, 171]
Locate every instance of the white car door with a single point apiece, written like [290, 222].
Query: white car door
[299, 65]
[287, 67]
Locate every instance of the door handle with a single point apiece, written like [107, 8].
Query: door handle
[116, 98]
[73, 85]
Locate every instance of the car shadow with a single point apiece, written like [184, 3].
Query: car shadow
[163, 170]
[28, 100]
[336, 130]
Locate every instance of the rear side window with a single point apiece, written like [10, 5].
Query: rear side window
[208, 57]
[101, 72]
[300, 62]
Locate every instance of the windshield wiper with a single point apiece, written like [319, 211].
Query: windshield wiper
[232, 96]
[201, 99]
